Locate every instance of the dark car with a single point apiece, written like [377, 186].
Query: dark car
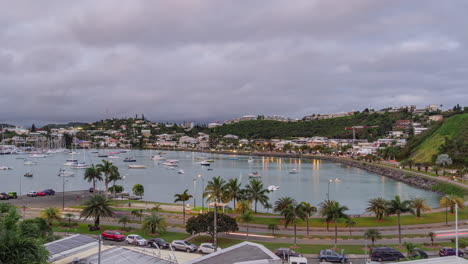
[49, 192]
[13, 195]
[112, 235]
[448, 251]
[91, 189]
[158, 241]
[285, 253]
[418, 253]
[331, 256]
[4, 196]
[385, 253]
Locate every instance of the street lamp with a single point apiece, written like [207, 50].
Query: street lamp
[63, 192]
[456, 228]
[203, 189]
[195, 190]
[328, 193]
[216, 226]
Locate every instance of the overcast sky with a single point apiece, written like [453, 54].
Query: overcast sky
[208, 60]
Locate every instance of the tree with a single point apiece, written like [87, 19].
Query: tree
[443, 160]
[138, 189]
[232, 190]
[109, 171]
[283, 203]
[450, 201]
[409, 247]
[373, 235]
[350, 223]
[419, 205]
[215, 190]
[273, 228]
[154, 223]
[97, 206]
[51, 214]
[334, 213]
[257, 193]
[432, 235]
[93, 174]
[246, 217]
[116, 189]
[396, 206]
[115, 176]
[436, 169]
[377, 206]
[69, 216]
[204, 223]
[33, 128]
[309, 211]
[243, 206]
[418, 165]
[183, 197]
[124, 219]
[323, 209]
[291, 214]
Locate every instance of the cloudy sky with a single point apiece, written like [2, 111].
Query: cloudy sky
[206, 60]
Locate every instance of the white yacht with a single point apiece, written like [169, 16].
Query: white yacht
[181, 171]
[293, 171]
[255, 174]
[136, 166]
[64, 173]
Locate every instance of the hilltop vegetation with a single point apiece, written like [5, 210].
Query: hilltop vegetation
[451, 138]
[332, 128]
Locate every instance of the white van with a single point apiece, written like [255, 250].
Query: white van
[297, 260]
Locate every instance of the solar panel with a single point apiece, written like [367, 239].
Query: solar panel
[68, 243]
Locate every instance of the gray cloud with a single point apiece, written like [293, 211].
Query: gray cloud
[213, 60]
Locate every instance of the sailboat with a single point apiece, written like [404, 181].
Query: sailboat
[81, 165]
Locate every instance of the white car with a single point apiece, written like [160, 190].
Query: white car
[206, 248]
[136, 240]
[31, 194]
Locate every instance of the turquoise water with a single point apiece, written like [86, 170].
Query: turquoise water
[353, 188]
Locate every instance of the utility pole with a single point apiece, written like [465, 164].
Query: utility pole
[99, 250]
[215, 244]
[456, 229]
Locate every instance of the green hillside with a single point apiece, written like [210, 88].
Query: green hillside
[454, 128]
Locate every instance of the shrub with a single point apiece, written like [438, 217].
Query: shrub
[118, 188]
[449, 189]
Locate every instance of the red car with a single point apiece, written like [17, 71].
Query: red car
[112, 235]
[41, 193]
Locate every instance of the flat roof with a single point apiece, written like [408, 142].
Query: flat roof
[69, 245]
[122, 255]
[441, 260]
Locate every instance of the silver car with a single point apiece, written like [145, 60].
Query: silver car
[184, 246]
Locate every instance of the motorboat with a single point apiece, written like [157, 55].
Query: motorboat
[159, 157]
[171, 163]
[72, 160]
[64, 173]
[70, 163]
[80, 166]
[38, 156]
[113, 157]
[273, 188]
[136, 166]
[114, 152]
[181, 171]
[73, 153]
[28, 174]
[5, 168]
[255, 174]
[129, 160]
[94, 151]
[337, 180]
[205, 163]
[29, 162]
[250, 160]
[293, 171]
[210, 169]
[102, 155]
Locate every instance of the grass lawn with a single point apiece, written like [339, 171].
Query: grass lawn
[83, 229]
[311, 249]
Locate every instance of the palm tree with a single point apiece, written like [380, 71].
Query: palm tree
[350, 223]
[156, 208]
[137, 213]
[268, 206]
[109, 171]
[183, 197]
[396, 206]
[444, 160]
[419, 205]
[233, 190]
[257, 193]
[97, 206]
[124, 219]
[323, 208]
[69, 216]
[436, 169]
[243, 206]
[273, 228]
[409, 247]
[450, 201]
[334, 213]
[309, 210]
[154, 223]
[92, 174]
[215, 190]
[291, 214]
[283, 203]
[373, 235]
[246, 217]
[114, 176]
[377, 206]
[51, 214]
[432, 235]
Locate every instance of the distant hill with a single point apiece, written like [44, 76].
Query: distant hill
[455, 129]
[332, 128]
[71, 124]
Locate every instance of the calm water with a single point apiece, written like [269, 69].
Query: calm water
[310, 184]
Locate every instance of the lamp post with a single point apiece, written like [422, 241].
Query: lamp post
[456, 229]
[195, 190]
[203, 189]
[63, 192]
[328, 193]
[216, 225]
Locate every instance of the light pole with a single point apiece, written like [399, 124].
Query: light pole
[328, 193]
[365, 248]
[216, 224]
[63, 192]
[203, 189]
[195, 190]
[456, 229]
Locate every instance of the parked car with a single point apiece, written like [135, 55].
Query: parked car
[112, 235]
[158, 241]
[331, 256]
[31, 194]
[136, 240]
[49, 192]
[4, 196]
[206, 248]
[297, 260]
[13, 195]
[285, 253]
[183, 245]
[41, 193]
[385, 253]
[418, 253]
[448, 251]
[91, 189]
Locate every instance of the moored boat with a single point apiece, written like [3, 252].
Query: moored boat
[136, 166]
[255, 174]
[128, 159]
